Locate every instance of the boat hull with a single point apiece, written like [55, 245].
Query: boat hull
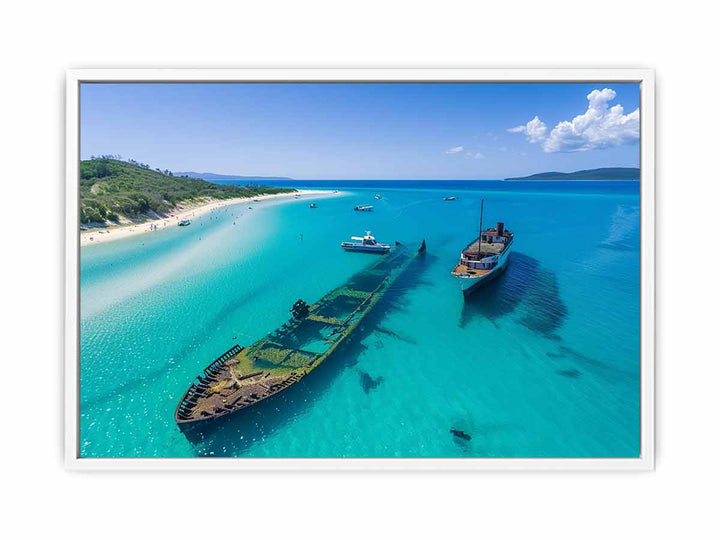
[243, 377]
[366, 249]
[472, 284]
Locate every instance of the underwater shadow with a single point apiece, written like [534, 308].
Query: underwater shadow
[472, 437]
[505, 293]
[236, 434]
[368, 383]
[546, 312]
[524, 282]
[580, 363]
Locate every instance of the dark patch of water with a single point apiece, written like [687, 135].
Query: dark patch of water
[368, 383]
[395, 335]
[546, 312]
[572, 353]
[504, 294]
[460, 434]
[589, 364]
[569, 373]
[523, 282]
[461, 440]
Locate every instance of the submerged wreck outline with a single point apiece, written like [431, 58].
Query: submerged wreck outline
[244, 376]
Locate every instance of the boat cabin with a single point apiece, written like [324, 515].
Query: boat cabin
[487, 262]
[365, 243]
[366, 240]
[483, 254]
[496, 234]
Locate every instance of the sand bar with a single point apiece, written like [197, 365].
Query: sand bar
[100, 235]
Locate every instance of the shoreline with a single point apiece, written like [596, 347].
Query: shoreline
[102, 235]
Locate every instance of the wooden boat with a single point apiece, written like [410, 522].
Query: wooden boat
[484, 259]
[244, 376]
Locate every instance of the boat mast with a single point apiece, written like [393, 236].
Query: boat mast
[482, 208]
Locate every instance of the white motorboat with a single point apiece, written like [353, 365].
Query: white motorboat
[365, 243]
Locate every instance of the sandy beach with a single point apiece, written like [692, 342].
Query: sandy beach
[190, 211]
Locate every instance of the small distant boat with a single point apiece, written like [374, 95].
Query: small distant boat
[364, 208]
[378, 196]
[184, 223]
[365, 243]
[313, 205]
[484, 259]
[449, 198]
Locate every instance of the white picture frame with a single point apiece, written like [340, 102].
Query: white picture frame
[646, 80]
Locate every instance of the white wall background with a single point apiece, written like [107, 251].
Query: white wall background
[40, 40]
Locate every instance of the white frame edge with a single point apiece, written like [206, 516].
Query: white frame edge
[645, 77]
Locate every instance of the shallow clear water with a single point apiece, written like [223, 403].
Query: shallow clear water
[542, 362]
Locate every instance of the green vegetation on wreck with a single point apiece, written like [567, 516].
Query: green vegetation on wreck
[111, 189]
[242, 377]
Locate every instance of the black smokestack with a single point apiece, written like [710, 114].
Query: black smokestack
[500, 228]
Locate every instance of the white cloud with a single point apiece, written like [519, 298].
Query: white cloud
[454, 150]
[599, 126]
[476, 155]
[534, 130]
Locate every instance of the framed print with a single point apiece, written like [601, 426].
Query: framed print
[360, 269]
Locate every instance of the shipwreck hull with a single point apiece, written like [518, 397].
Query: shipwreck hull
[245, 376]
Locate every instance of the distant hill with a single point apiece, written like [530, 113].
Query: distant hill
[213, 176]
[111, 190]
[606, 173]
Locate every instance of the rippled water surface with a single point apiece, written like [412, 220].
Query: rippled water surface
[542, 362]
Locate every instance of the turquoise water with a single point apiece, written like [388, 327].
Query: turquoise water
[544, 362]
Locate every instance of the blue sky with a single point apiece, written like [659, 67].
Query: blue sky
[364, 131]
